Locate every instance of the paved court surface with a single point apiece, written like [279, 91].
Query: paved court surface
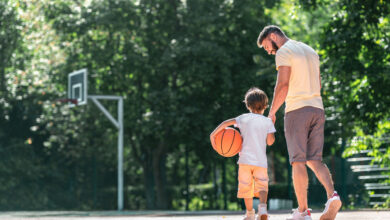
[173, 215]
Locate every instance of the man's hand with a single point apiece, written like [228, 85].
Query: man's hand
[272, 117]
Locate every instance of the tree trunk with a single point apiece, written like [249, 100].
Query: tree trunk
[149, 184]
[216, 187]
[224, 185]
[3, 91]
[159, 172]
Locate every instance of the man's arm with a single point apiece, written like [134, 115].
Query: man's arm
[320, 80]
[280, 91]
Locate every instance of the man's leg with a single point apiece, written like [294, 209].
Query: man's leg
[300, 181]
[323, 175]
[314, 158]
[296, 133]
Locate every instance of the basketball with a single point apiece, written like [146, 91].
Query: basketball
[228, 142]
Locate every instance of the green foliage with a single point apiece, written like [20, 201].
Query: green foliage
[183, 67]
[359, 68]
[18, 110]
[377, 143]
[10, 33]
[355, 43]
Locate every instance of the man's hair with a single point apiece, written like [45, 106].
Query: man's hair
[267, 30]
[256, 99]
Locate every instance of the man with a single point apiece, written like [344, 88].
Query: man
[299, 85]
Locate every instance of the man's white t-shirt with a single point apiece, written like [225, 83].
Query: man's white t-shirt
[254, 129]
[304, 85]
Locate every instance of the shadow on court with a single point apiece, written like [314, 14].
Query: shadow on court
[169, 215]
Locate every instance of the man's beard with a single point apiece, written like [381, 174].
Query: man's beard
[274, 47]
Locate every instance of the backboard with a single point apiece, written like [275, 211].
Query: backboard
[77, 87]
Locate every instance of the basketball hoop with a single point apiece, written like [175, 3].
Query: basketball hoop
[69, 101]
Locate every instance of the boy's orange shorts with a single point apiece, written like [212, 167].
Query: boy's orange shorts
[251, 180]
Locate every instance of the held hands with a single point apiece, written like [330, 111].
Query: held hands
[272, 117]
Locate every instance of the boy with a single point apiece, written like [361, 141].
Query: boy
[257, 132]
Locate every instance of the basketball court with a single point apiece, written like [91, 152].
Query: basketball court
[78, 95]
[169, 215]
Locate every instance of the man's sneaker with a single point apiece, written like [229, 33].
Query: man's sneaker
[332, 206]
[250, 215]
[262, 217]
[296, 215]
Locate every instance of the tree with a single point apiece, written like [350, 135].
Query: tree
[355, 43]
[9, 38]
[179, 65]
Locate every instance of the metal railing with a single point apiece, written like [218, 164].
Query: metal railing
[372, 175]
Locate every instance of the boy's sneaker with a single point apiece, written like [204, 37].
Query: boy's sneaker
[296, 215]
[332, 206]
[250, 215]
[262, 217]
[262, 213]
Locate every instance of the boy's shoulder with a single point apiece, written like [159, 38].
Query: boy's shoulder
[253, 116]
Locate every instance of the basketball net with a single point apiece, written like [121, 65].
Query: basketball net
[68, 101]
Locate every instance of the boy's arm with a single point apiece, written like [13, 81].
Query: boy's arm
[270, 139]
[220, 127]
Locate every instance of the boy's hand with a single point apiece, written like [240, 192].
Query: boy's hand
[212, 140]
[220, 127]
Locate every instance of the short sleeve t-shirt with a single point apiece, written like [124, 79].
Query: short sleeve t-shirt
[254, 129]
[304, 85]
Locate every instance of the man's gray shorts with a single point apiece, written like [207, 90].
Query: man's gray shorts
[304, 131]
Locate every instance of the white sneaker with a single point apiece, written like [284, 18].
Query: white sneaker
[296, 215]
[332, 206]
[262, 213]
[250, 215]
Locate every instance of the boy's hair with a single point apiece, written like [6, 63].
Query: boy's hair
[267, 30]
[256, 99]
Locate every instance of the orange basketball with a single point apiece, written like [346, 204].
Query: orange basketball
[228, 142]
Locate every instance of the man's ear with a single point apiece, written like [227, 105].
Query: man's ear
[272, 36]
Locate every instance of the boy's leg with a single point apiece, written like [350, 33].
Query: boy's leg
[262, 208]
[245, 190]
[248, 204]
[263, 197]
[261, 183]
[245, 185]
[300, 181]
[250, 212]
[261, 188]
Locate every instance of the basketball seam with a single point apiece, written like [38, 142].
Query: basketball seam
[222, 142]
[234, 135]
